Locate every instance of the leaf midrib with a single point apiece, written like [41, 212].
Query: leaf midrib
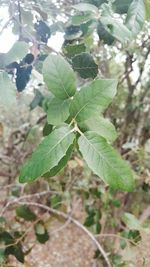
[58, 143]
[88, 103]
[97, 151]
[136, 12]
[59, 78]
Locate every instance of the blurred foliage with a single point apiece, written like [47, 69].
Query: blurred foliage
[114, 46]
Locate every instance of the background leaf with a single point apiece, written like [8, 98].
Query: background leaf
[136, 16]
[78, 19]
[131, 221]
[105, 162]
[95, 2]
[117, 29]
[120, 6]
[47, 129]
[7, 90]
[84, 7]
[17, 52]
[59, 76]
[85, 65]
[72, 50]
[41, 232]
[25, 212]
[37, 100]
[147, 9]
[104, 34]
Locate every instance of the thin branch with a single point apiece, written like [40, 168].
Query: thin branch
[142, 67]
[77, 223]
[4, 174]
[2, 187]
[30, 36]
[20, 20]
[6, 25]
[38, 195]
[18, 240]
[41, 119]
[118, 236]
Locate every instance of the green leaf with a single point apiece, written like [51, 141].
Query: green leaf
[62, 163]
[117, 29]
[106, 162]
[48, 154]
[92, 98]
[27, 17]
[11, 246]
[85, 65]
[6, 238]
[73, 50]
[96, 2]
[24, 212]
[131, 221]
[39, 228]
[147, 9]
[100, 126]
[136, 16]
[18, 253]
[84, 7]
[47, 129]
[120, 6]
[98, 228]
[59, 76]
[17, 52]
[73, 36]
[58, 111]
[87, 30]
[104, 34]
[116, 203]
[37, 100]
[55, 201]
[2, 257]
[7, 91]
[3, 222]
[89, 221]
[41, 232]
[79, 19]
